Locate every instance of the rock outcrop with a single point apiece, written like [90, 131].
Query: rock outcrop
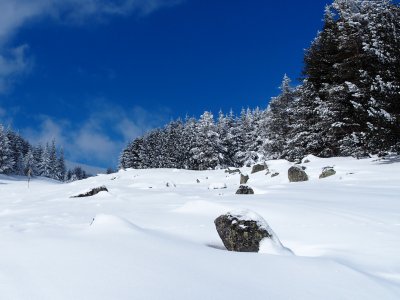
[244, 190]
[246, 231]
[258, 168]
[296, 173]
[92, 192]
[326, 172]
[244, 178]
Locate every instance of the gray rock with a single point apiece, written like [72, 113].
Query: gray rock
[232, 171]
[326, 172]
[92, 192]
[240, 235]
[258, 168]
[244, 190]
[274, 174]
[244, 178]
[306, 161]
[297, 174]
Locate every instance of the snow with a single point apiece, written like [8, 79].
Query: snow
[217, 186]
[160, 243]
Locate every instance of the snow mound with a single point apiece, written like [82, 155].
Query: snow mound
[271, 245]
[111, 223]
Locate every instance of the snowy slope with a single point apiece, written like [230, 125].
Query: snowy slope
[153, 241]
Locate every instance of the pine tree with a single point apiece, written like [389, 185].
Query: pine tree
[60, 166]
[228, 148]
[29, 162]
[37, 155]
[173, 154]
[45, 165]
[278, 121]
[351, 82]
[207, 152]
[6, 158]
[188, 143]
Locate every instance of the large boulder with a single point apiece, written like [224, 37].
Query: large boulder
[296, 174]
[244, 178]
[246, 231]
[92, 192]
[258, 168]
[326, 172]
[244, 190]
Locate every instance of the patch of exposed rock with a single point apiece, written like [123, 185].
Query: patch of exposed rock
[246, 231]
[296, 173]
[258, 168]
[244, 190]
[327, 172]
[92, 192]
[244, 178]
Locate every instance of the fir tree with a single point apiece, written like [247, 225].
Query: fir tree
[6, 157]
[60, 166]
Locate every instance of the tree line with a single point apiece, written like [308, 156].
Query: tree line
[348, 103]
[19, 157]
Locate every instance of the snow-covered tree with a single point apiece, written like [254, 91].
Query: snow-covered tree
[29, 162]
[207, 152]
[6, 157]
[278, 121]
[60, 166]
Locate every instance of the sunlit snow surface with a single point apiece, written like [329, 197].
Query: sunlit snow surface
[147, 239]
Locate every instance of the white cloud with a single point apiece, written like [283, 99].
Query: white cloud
[17, 13]
[101, 137]
[78, 10]
[48, 130]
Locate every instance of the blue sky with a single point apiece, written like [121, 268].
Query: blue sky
[94, 75]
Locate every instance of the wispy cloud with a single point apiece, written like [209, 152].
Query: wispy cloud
[18, 13]
[13, 63]
[100, 138]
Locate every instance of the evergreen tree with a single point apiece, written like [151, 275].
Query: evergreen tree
[351, 84]
[37, 155]
[173, 154]
[6, 157]
[188, 143]
[45, 165]
[29, 162]
[228, 147]
[278, 122]
[60, 166]
[207, 149]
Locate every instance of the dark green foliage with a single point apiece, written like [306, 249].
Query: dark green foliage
[347, 104]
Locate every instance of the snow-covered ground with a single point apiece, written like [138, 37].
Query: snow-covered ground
[152, 235]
